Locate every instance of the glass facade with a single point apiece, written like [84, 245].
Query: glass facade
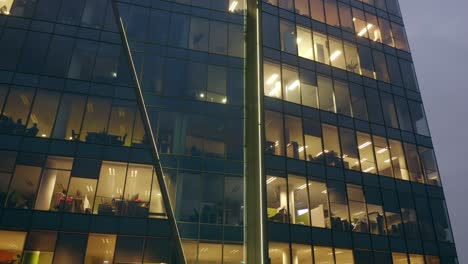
[124, 134]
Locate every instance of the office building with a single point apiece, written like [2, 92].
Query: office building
[214, 131]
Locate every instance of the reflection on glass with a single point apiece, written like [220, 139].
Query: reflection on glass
[291, 85]
[23, 187]
[319, 211]
[313, 140]
[100, 249]
[295, 147]
[337, 57]
[288, 36]
[350, 150]
[272, 79]
[382, 154]
[298, 200]
[326, 96]
[431, 172]
[331, 145]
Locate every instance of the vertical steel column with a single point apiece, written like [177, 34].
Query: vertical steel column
[254, 189]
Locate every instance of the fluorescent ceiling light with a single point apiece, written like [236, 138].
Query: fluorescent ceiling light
[380, 151]
[364, 30]
[302, 211]
[368, 169]
[293, 85]
[270, 180]
[275, 90]
[335, 55]
[272, 79]
[365, 144]
[298, 40]
[308, 53]
[233, 6]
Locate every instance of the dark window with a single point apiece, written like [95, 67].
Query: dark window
[211, 207]
[365, 58]
[43, 113]
[47, 9]
[403, 113]
[69, 117]
[199, 34]
[58, 59]
[93, 13]
[159, 26]
[82, 61]
[178, 32]
[34, 52]
[129, 249]
[70, 12]
[374, 107]
[394, 70]
[107, 63]
[10, 45]
[218, 37]
[270, 31]
[358, 102]
[389, 111]
[137, 25]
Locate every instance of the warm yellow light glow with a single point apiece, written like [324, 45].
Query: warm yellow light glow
[365, 144]
[275, 91]
[233, 6]
[380, 151]
[270, 180]
[272, 79]
[364, 30]
[308, 53]
[368, 169]
[298, 40]
[335, 55]
[293, 85]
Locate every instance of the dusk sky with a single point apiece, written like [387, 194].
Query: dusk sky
[438, 36]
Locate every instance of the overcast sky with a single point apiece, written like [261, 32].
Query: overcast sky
[438, 36]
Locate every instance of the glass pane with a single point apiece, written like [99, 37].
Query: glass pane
[403, 113]
[272, 79]
[302, 7]
[100, 249]
[69, 117]
[236, 38]
[286, 4]
[129, 249]
[278, 253]
[344, 256]
[349, 149]
[326, 97]
[374, 107]
[352, 58]
[80, 198]
[313, 140]
[288, 36]
[218, 37]
[298, 200]
[387, 37]
[209, 253]
[39, 247]
[233, 254]
[270, 31]
[428, 160]
[211, 210]
[294, 138]
[358, 101]
[414, 166]
[291, 85]
[419, 118]
[23, 187]
[137, 190]
[337, 57]
[16, 110]
[376, 219]
[398, 160]
[321, 48]
[373, 28]
[301, 253]
[319, 211]
[323, 255]
[416, 259]
[121, 125]
[366, 152]
[304, 43]
[52, 190]
[12, 246]
[399, 36]
[331, 13]
[338, 206]
[345, 17]
[389, 111]
[367, 63]
[342, 97]
[331, 145]
[309, 88]
[316, 9]
[382, 154]
[274, 133]
[277, 200]
[110, 189]
[380, 66]
[199, 30]
[399, 258]
[233, 200]
[394, 70]
[95, 121]
[157, 208]
[360, 25]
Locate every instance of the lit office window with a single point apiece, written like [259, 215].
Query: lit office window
[274, 130]
[357, 209]
[209, 253]
[100, 249]
[278, 253]
[382, 155]
[295, 147]
[319, 209]
[398, 160]
[428, 160]
[304, 43]
[137, 190]
[344, 256]
[80, 196]
[54, 184]
[298, 200]
[11, 252]
[399, 258]
[337, 56]
[277, 199]
[272, 79]
[23, 187]
[291, 85]
[109, 196]
[288, 36]
[323, 255]
[313, 140]
[366, 153]
[338, 206]
[331, 145]
[233, 254]
[39, 247]
[321, 48]
[349, 149]
[301, 253]
[309, 88]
